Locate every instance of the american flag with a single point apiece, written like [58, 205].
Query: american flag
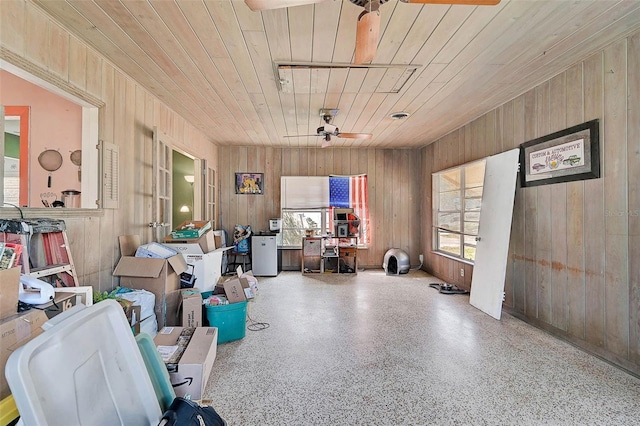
[351, 192]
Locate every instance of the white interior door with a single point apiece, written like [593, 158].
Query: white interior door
[210, 197]
[492, 247]
[162, 185]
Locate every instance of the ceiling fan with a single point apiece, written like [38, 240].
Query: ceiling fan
[368, 28]
[328, 129]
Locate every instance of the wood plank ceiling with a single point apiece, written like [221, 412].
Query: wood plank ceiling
[217, 63]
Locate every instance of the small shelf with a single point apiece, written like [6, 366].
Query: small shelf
[330, 254]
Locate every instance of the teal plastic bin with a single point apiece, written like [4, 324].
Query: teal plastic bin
[157, 371]
[229, 319]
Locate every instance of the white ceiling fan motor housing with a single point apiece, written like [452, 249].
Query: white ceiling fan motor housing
[330, 128]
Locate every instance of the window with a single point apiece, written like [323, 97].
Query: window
[75, 124]
[307, 202]
[296, 222]
[352, 192]
[457, 198]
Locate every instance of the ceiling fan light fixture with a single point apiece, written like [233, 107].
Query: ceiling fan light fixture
[399, 115]
[330, 128]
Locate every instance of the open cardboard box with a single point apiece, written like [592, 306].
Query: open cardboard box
[207, 267]
[191, 229]
[237, 288]
[159, 276]
[189, 375]
[245, 280]
[205, 244]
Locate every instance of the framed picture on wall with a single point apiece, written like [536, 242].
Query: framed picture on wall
[564, 156]
[250, 183]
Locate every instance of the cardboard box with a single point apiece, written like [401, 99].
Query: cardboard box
[234, 288]
[191, 229]
[191, 308]
[15, 331]
[205, 244]
[247, 281]
[63, 301]
[159, 276]
[9, 288]
[218, 238]
[189, 374]
[207, 268]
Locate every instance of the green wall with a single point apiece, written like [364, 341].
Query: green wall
[182, 190]
[11, 145]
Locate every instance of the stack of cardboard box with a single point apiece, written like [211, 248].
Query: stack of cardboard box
[189, 347]
[159, 276]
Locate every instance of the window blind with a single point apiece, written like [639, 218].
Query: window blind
[304, 192]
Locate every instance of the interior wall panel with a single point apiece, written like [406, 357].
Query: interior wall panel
[616, 289]
[572, 244]
[594, 236]
[558, 211]
[575, 214]
[633, 170]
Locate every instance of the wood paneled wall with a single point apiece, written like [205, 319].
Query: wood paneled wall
[394, 192]
[128, 113]
[574, 246]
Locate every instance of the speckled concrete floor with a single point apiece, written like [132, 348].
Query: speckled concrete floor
[371, 349]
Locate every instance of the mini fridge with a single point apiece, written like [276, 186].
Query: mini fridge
[264, 255]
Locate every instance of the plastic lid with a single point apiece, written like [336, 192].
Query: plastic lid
[85, 369]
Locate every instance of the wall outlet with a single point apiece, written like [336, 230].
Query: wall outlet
[462, 272]
[421, 258]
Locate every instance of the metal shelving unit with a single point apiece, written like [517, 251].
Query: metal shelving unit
[329, 254]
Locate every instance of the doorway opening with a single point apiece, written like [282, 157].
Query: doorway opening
[183, 193]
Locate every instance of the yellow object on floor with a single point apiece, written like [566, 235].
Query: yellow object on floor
[8, 411]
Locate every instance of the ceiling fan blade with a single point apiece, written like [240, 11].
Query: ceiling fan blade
[300, 136]
[367, 37]
[256, 5]
[355, 135]
[468, 2]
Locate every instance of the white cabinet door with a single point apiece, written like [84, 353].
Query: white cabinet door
[487, 284]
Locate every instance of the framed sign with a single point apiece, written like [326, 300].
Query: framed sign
[564, 156]
[250, 183]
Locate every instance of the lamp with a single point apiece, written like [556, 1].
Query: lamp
[190, 179]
